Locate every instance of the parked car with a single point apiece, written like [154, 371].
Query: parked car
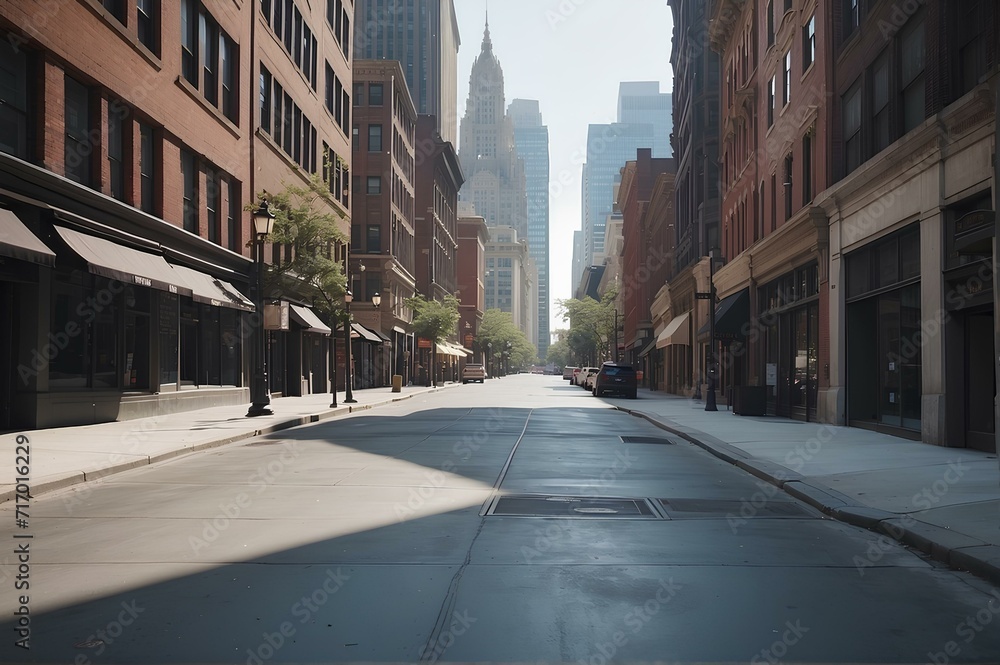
[615, 378]
[575, 379]
[568, 373]
[587, 376]
[473, 372]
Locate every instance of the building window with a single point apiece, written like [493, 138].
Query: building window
[189, 40]
[375, 94]
[208, 58]
[881, 125]
[147, 168]
[356, 138]
[79, 145]
[912, 78]
[374, 239]
[786, 80]
[116, 8]
[265, 100]
[359, 94]
[374, 184]
[331, 100]
[189, 176]
[146, 24]
[852, 16]
[852, 129]
[774, 202]
[345, 33]
[345, 119]
[229, 62]
[116, 140]
[233, 216]
[212, 186]
[770, 22]
[788, 5]
[971, 48]
[374, 138]
[771, 101]
[788, 187]
[809, 43]
[807, 169]
[13, 99]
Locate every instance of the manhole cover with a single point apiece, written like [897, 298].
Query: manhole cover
[721, 508]
[646, 439]
[571, 506]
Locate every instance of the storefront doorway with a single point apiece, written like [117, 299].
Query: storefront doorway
[980, 381]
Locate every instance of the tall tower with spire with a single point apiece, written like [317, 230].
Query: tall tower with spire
[495, 184]
[495, 181]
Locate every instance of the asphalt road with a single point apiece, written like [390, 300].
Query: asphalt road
[504, 522]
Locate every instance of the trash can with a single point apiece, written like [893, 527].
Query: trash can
[397, 383]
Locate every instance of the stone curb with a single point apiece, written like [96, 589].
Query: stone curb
[72, 478]
[955, 549]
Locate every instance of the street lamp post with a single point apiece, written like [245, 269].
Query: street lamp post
[489, 359]
[710, 404]
[348, 394]
[376, 301]
[263, 223]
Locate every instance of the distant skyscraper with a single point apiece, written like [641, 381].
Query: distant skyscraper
[495, 181]
[531, 139]
[642, 103]
[577, 269]
[423, 36]
[644, 121]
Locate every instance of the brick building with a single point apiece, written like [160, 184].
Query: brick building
[772, 321]
[383, 236]
[129, 148]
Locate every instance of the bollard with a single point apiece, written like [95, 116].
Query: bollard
[397, 383]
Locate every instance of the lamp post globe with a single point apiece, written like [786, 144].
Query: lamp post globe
[263, 224]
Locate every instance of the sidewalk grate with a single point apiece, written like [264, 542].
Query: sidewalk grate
[647, 439]
[571, 506]
[720, 508]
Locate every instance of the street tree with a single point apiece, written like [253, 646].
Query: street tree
[434, 320]
[591, 327]
[497, 328]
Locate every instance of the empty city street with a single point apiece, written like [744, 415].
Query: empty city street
[517, 520]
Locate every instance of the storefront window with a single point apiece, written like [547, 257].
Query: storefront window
[168, 337]
[230, 324]
[67, 353]
[189, 343]
[209, 362]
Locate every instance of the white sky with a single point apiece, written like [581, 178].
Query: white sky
[570, 55]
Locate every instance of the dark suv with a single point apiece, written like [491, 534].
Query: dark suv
[615, 378]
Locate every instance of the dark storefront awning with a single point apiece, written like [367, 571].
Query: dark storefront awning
[730, 317]
[307, 318]
[17, 242]
[127, 265]
[209, 290]
[380, 335]
[646, 349]
[365, 334]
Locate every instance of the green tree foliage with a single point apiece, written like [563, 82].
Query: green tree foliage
[559, 352]
[302, 219]
[434, 319]
[498, 328]
[591, 328]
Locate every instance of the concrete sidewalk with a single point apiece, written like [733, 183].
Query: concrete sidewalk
[942, 501]
[64, 456]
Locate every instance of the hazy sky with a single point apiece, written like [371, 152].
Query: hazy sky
[570, 55]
